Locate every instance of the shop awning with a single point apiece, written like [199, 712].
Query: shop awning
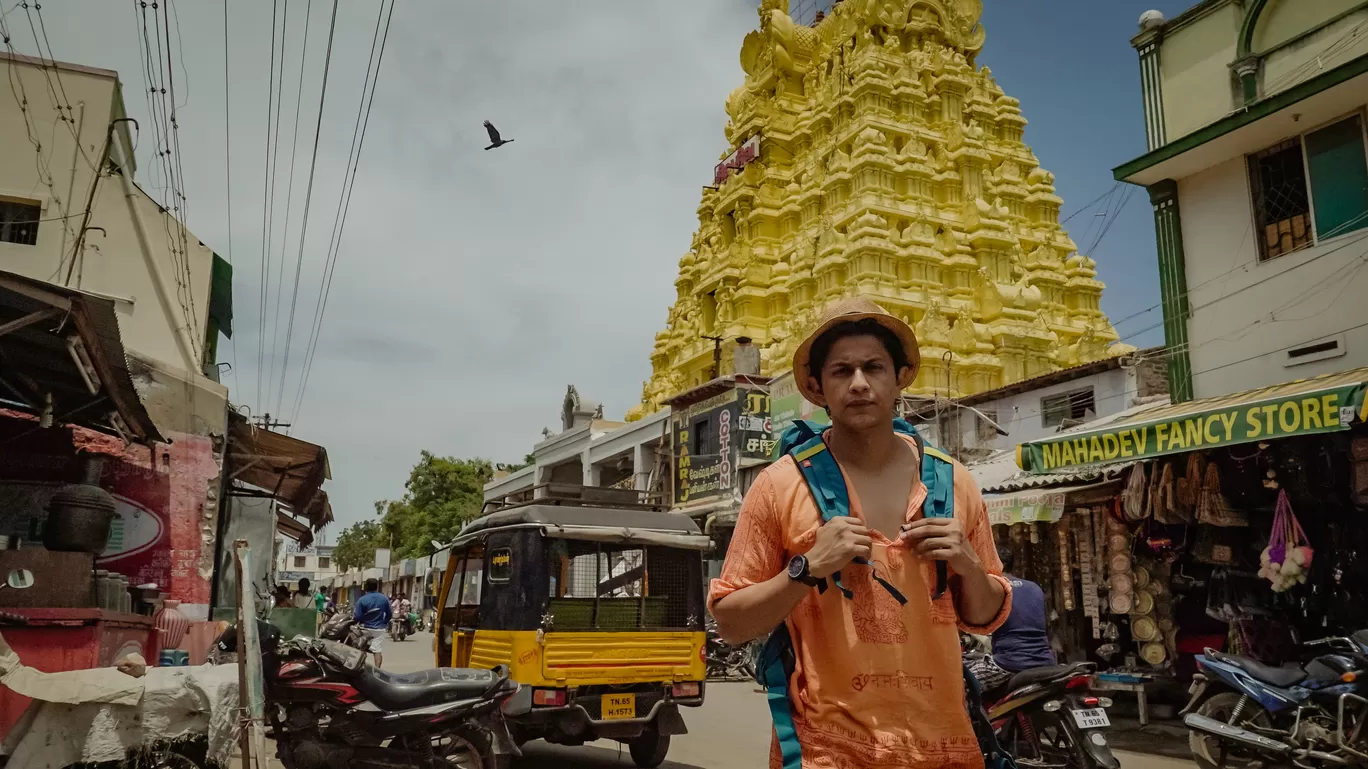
[62, 360]
[1324, 404]
[286, 468]
[1014, 496]
[294, 529]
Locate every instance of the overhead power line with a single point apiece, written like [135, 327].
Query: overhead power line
[228, 162]
[308, 202]
[265, 207]
[289, 185]
[344, 205]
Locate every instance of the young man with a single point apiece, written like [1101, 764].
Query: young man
[877, 683]
[373, 612]
[1022, 643]
[405, 609]
[303, 598]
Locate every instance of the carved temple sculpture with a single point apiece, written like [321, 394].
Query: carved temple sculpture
[891, 166]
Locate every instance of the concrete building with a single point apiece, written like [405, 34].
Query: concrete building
[1255, 164]
[72, 214]
[1045, 405]
[314, 563]
[589, 451]
[128, 249]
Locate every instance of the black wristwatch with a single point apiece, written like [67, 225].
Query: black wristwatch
[799, 571]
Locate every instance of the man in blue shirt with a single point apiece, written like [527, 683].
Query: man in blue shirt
[373, 613]
[1022, 642]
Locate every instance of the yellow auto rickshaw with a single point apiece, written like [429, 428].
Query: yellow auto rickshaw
[597, 609]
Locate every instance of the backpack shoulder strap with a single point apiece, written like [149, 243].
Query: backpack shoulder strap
[938, 476]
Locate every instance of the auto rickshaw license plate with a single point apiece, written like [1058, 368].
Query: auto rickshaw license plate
[619, 706]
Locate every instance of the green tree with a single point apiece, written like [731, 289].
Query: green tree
[357, 543]
[441, 495]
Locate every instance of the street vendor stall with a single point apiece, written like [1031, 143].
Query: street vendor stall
[1232, 522]
[79, 485]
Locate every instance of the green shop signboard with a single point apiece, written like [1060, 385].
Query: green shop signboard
[787, 406]
[1307, 407]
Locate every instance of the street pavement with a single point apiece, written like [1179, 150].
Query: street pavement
[731, 731]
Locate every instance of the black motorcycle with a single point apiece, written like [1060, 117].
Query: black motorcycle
[1049, 717]
[327, 709]
[727, 662]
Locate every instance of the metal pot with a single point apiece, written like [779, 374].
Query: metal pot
[79, 516]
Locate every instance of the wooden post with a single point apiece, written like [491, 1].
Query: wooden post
[244, 704]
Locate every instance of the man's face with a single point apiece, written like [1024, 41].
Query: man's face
[859, 384]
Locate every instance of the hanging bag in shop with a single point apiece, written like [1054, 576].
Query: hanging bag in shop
[1134, 496]
[1212, 507]
[1190, 485]
[1287, 558]
[1164, 495]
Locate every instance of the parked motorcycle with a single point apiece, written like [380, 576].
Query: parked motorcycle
[399, 628]
[1050, 717]
[1310, 716]
[327, 709]
[344, 629]
[727, 662]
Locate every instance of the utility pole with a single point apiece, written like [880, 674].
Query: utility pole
[717, 356]
[266, 423]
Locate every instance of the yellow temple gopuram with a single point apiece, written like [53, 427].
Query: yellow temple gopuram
[889, 165]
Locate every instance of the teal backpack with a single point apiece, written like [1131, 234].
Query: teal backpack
[775, 662]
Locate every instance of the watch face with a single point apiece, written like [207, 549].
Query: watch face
[797, 565]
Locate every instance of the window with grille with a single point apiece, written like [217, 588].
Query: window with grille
[324, 562]
[986, 432]
[599, 586]
[1310, 187]
[1282, 209]
[702, 438]
[19, 222]
[299, 561]
[1075, 406]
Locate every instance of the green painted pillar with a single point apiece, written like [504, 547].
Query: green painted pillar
[1168, 230]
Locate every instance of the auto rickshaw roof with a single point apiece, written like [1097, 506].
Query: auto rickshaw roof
[592, 523]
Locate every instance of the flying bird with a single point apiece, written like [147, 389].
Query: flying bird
[497, 141]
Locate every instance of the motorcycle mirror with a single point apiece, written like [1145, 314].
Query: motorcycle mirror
[19, 579]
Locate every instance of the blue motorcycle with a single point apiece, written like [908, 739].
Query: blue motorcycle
[1245, 713]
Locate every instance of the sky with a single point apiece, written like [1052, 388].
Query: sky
[471, 286]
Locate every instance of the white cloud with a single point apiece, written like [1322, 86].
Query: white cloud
[471, 286]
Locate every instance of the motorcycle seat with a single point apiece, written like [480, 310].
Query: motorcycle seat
[1280, 677]
[1042, 675]
[404, 691]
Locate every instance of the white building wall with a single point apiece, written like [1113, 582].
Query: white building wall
[1246, 315]
[1021, 415]
[1197, 85]
[112, 262]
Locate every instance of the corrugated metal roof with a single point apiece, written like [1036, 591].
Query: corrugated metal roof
[999, 473]
[63, 350]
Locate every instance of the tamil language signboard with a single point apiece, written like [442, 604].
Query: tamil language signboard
[1307, 407]
[754, 425]
[705, 448]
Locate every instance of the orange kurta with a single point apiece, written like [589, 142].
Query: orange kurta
[877, 685]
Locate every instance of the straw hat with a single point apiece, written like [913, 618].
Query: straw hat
[852, 310]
